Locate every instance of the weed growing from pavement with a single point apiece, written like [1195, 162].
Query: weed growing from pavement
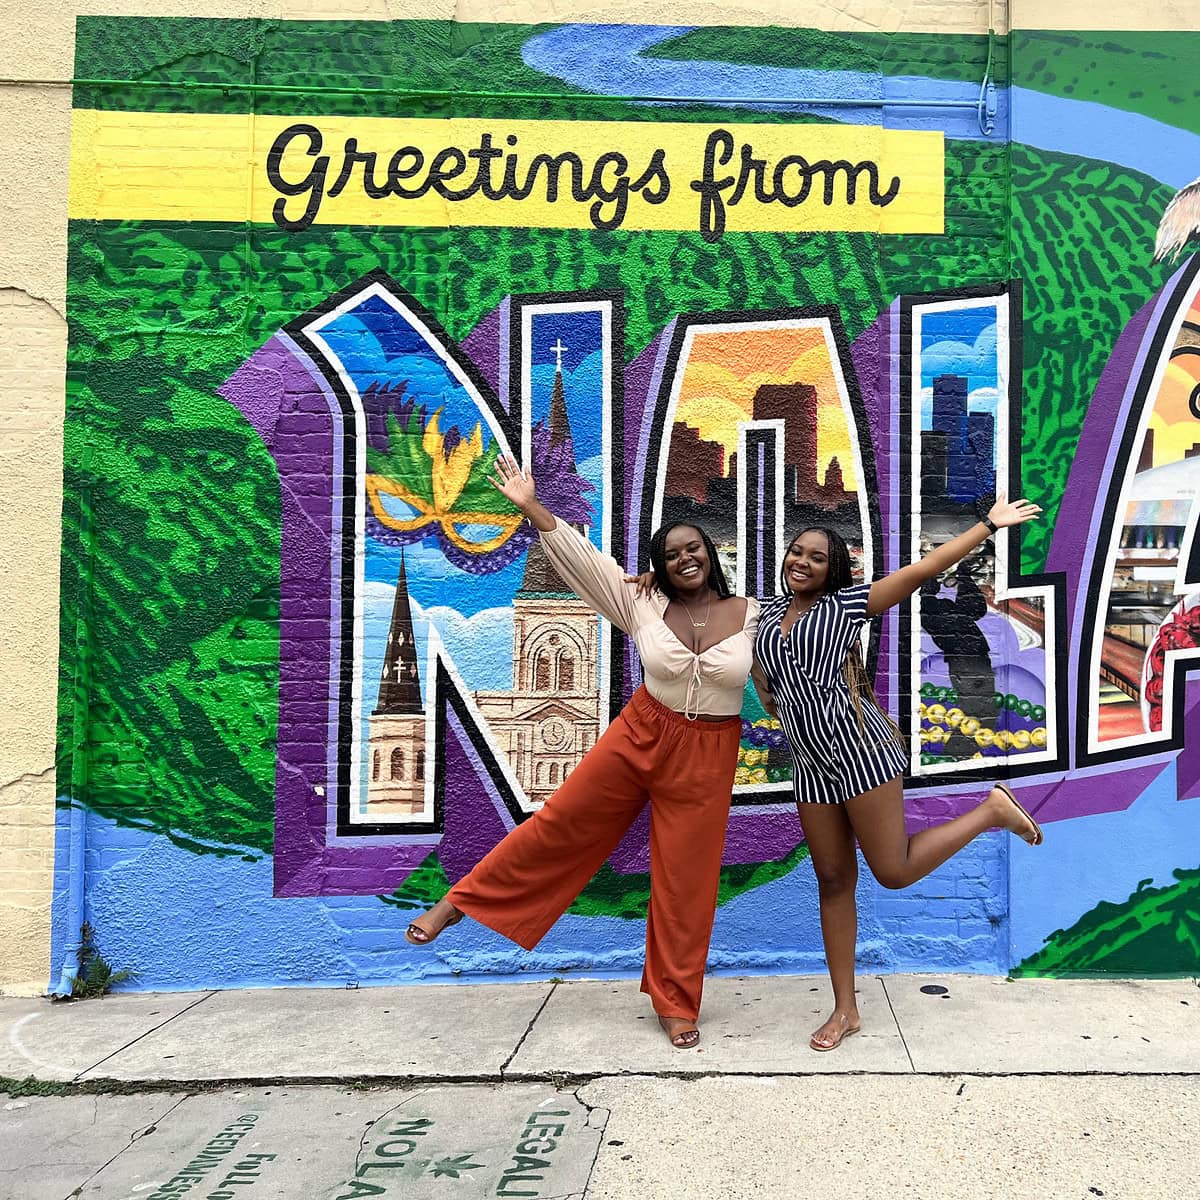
[18, 1089]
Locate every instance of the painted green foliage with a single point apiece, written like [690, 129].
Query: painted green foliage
[1148, 72]
[1156, 931]
[167, 452]
[169, 611]
[406, 458]
[422, 889]
[1152, 73]
[376, 68]
[1083, 234]
[180, 584]
[1082, 231]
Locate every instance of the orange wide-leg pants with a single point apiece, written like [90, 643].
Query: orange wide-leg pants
[649, 754]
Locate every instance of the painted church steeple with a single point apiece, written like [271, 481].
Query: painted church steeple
[400, 681]
[540, 577]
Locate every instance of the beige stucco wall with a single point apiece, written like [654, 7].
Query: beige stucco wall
[35, 103]
[33, 337]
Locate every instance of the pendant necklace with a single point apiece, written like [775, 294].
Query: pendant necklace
[796, 621]
[707, 605]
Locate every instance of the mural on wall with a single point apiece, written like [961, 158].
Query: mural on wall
[985, 656]
[1150, 619]
[308, 649]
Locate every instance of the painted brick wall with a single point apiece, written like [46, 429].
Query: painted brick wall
[233, 635]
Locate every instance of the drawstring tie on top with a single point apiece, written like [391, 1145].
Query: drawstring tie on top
[693, 691]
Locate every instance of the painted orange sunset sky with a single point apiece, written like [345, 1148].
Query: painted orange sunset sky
[724, 370]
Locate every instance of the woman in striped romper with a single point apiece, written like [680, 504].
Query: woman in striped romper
[847, 760]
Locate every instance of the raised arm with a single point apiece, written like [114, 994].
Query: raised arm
[901, 584]
[595, 578]
[518, 486]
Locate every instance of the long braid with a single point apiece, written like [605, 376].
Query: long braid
[859, 683]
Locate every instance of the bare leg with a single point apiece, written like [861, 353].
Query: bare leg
[898, 860]
[831, 847]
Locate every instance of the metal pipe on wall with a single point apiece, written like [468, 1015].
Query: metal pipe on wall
[265, 89]
[77, 831]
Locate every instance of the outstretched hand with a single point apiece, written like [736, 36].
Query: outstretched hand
[647, 585]
[900, 584]
[1012, 512]
[515, 484]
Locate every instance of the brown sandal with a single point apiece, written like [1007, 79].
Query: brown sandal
[417, 936]
[685, 1039]
[1038, 836]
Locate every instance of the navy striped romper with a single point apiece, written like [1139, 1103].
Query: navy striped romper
[832, 759]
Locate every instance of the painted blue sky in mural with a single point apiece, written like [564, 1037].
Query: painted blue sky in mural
[249, 937]
[472, 612]
[611, 60]
[377, 346]
[961, 342]
[580, 333]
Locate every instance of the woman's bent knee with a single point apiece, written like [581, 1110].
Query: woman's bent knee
[892, 878]
[836, 882]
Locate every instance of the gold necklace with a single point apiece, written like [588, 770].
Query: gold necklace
[707, 605]
[799, 614]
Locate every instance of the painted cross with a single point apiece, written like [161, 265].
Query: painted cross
[559, 350]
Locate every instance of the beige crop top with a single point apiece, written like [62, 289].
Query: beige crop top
[707, 684]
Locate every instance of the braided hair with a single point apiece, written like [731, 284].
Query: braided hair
[658, 561]
[841, 575]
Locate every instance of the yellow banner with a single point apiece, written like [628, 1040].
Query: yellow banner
[300, 171]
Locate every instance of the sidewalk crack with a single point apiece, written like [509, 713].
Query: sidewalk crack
[147, 1033]
[136, 1135]
[891, 1009]
[592, 1109]
[528, 1030]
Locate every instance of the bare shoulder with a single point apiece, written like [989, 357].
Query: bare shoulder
[740, 608]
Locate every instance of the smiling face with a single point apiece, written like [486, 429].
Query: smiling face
[686, 559]
[806, 564]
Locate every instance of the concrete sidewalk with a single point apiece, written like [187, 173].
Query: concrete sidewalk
[958, 1085]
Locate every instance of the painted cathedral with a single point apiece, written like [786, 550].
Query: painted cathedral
[545, 724]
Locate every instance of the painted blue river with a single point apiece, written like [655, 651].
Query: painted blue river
[608, 60]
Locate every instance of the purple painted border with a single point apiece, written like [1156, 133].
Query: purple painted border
[286, 400]
[1187, 767]
[875, 354]
[1073, 553]
[487, 347]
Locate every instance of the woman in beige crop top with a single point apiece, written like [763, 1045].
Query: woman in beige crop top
[674, 746]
